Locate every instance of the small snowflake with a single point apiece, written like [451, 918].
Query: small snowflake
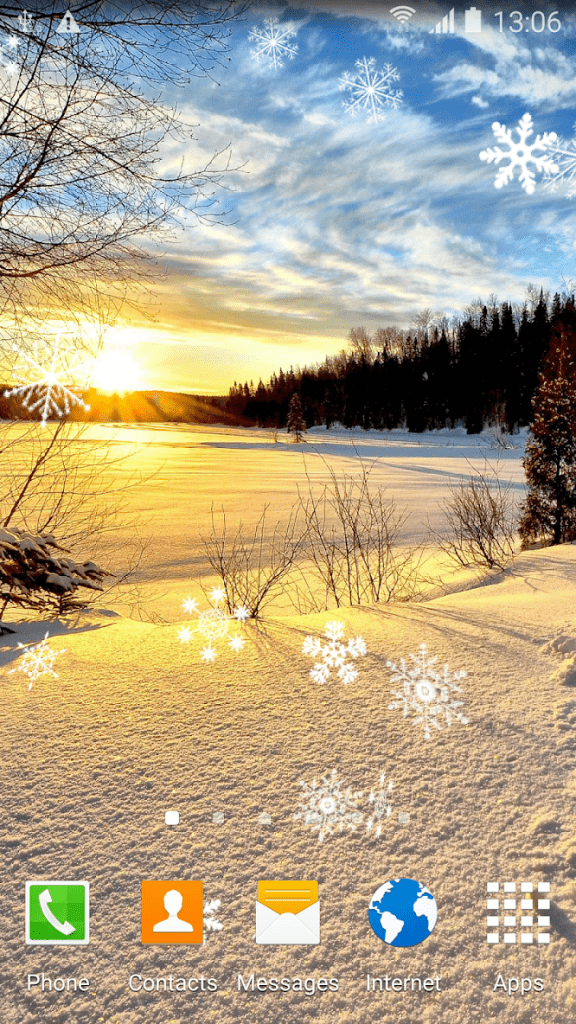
[273, 43]
[334, 654]
[380, 806]
[7, 53]
[42, 388]
[427, 692]
[211, 922]
[370, 89]
[328, 807]
[563, 153]
[25, 21]
[521, 154]
[37, 661]
[213, 624]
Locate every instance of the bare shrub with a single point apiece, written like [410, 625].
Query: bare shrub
[500, 439]
[352, 544]
[338, 549]
[61, 480]
[252, 566]
[481, 518]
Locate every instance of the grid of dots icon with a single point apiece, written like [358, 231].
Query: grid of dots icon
[503, 906]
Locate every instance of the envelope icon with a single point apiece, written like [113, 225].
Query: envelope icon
[288, 914]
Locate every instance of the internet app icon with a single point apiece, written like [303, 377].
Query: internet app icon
[402, 912]
[57, 913]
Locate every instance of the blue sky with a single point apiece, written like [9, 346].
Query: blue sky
[335, 221]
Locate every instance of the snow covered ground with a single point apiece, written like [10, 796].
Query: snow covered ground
[136, 724]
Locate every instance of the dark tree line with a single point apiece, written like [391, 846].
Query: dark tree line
[481, 370]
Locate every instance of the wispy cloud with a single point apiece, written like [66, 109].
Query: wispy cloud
[333, 221]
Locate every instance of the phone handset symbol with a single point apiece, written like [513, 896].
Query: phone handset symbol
[44, 899]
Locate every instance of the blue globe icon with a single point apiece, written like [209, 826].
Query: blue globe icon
[402, 912]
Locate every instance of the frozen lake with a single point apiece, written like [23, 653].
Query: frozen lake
[169, 478]
[186, 470]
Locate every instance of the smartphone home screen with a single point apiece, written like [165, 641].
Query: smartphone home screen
[287, 563]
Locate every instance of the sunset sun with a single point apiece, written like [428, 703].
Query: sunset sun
[116, 372]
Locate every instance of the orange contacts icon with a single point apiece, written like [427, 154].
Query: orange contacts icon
[172, 912]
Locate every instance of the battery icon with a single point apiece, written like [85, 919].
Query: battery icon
[473, 20]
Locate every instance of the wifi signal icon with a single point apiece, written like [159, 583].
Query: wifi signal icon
[402, 13]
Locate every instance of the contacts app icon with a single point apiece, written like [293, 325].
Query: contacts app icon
[172, 912]
[288, 914]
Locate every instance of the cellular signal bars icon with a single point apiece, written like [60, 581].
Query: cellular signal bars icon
[445, 25]
[402, 13]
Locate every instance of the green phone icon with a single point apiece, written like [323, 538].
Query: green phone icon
[57, 913]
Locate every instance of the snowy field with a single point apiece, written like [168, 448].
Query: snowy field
[175, 476]
[136, 724]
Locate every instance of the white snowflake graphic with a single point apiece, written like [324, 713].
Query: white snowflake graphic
[43, 389]
[273, 43]
[521, 154]
[328, 807]
[563, 152]
[427, 692]
[380, 805]
[25, 21]
[370, 89]
[210, 921]
[213, 624]
[7, 53]
[334, 654]
[37, 661]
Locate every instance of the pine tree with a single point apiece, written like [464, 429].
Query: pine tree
[549, 511]
[296, 424]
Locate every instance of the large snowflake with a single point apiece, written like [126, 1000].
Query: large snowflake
[37, 661]
[521, 154]
[213, 624]
[380, 805]
[563, 152]
[273, 43]
[211, 922]
[43, 389]
[333, 655]
[370, 89]
[328, 807]
[427, 692]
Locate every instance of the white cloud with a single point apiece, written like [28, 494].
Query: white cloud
[542, 76]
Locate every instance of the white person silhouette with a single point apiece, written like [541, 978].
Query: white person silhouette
[173, 905]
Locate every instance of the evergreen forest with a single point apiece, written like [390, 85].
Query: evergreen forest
[480, 370]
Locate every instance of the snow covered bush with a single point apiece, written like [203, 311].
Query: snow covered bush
[36, 573]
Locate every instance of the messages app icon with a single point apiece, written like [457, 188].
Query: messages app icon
[57, 913]
[288, 913]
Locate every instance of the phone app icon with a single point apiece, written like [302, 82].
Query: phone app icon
[172, 912]
[288, 914]
[58, 913]
[402, 912]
